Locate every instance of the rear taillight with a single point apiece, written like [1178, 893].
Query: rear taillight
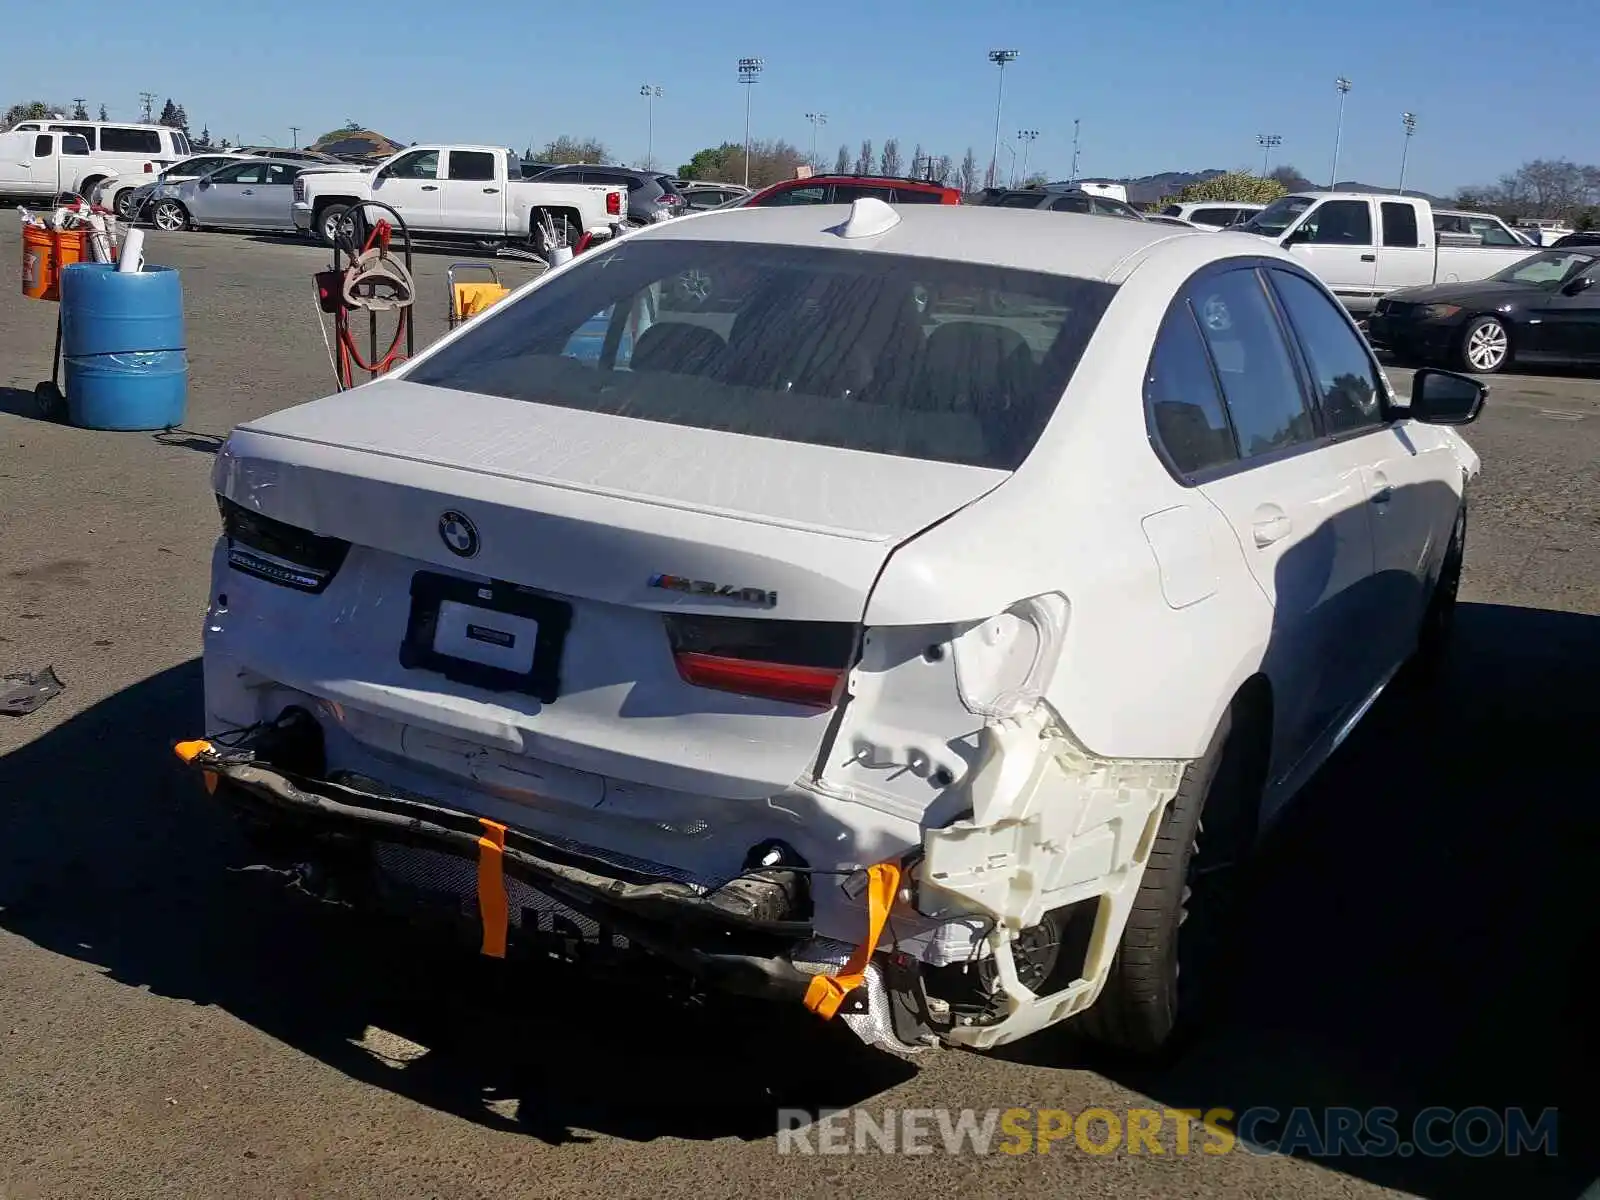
[299, 189]
[796, 662]
[149, 167]
[614, 204]
[279, 552]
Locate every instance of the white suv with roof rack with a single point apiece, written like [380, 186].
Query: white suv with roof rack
[126, 150]
[870, 632]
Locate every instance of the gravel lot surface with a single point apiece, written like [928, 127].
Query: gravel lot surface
[171, 1025]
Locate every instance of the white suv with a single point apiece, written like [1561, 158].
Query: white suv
[900, 627]
[1213, 215]
[126, 151]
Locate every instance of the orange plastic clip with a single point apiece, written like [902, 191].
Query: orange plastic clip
[494, 909]
[825, 993]
[189, 751]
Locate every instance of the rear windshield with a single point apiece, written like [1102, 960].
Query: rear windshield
[914, 357]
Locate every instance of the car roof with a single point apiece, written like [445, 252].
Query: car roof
[1027, 239]
[884, 181]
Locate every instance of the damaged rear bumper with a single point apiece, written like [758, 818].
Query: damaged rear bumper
[751, 936]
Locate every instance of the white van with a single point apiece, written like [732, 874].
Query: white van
[120, 148]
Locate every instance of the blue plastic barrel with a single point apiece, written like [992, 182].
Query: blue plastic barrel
[123, 347]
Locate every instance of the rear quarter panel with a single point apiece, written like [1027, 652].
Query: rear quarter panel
[1150, 662]
[587, 199]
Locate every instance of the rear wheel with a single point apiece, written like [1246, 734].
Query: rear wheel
[1485, 346]
[1164, 976]
[126, 205]
[171, 216]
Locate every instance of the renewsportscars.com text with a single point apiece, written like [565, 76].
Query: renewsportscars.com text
[1312, 1132]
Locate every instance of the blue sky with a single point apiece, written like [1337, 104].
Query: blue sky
[1158, 84]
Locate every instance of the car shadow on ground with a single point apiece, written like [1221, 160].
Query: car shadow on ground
[110, 853]
[1420, 929]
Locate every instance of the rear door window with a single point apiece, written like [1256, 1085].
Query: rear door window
[1266, 404]
[923, 358]
[474, 165]
[1399, 224]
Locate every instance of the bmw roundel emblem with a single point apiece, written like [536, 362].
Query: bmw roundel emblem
[460, 535]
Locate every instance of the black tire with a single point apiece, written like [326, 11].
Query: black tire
[170, 211]
[1487, 340]
[1162, 983]
[122, 204]
[326, 220]
[1438, 619]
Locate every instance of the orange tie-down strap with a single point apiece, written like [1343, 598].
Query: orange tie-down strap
[825, 993]
[189, 751]
[494, 910]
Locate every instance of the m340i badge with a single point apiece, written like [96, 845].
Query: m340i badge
[707, 587]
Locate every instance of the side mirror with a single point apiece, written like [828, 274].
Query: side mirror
[1445, 397]
[1576, 286]
[1297, 237]
[205, 181]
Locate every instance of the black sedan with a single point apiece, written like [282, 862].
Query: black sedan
[1542, 310]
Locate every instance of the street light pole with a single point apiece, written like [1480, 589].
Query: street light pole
[999, 58]
[1409, 120]
[817, 119]
[1343, 85]
[1267, 141]
[1026, 137]
[1074, 149]
[749, 70]
[651, 93]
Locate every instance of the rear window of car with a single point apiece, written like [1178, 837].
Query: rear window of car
[913, 357]
[905, 195]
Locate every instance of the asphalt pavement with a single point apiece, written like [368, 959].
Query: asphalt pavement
[1418, 932]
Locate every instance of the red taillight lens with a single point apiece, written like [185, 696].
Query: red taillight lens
[613, 204]
[812, 686]
[148, 167]
[796, 662]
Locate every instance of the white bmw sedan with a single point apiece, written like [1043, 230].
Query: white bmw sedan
[905, 622]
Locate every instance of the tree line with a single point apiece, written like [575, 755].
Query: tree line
[1542, 187]
[772, 160]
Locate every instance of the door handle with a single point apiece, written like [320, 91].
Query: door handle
[1369, 258]
[1270, 528]
[490, 191]
[247, 192]
[429, 187]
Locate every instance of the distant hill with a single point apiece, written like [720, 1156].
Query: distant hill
[1147, 189]
[357, 143]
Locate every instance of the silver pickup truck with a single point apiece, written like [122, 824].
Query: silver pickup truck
[456, 193]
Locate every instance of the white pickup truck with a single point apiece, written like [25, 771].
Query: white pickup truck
[456, 193]
[36, 165]
[1365, 245]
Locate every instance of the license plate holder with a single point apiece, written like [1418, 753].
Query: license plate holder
[432, 592]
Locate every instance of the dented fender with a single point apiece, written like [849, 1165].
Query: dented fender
[1051, 824]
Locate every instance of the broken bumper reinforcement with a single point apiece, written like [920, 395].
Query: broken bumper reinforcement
[677, 921]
